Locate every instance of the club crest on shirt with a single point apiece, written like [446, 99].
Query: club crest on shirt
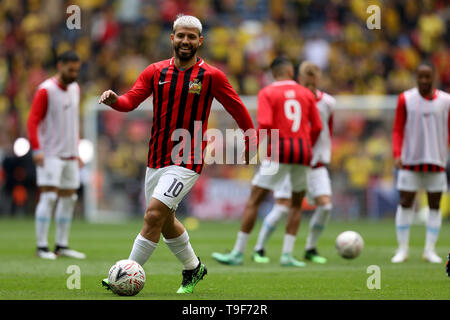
[195, 86]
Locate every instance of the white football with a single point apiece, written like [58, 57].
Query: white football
[126, 278]
[349, 244]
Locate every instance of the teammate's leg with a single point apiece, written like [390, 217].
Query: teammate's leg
[47, 199]
[403, 221]
[292, 225]
[319, 188]
[434, 222]
[280, 208]
[48, 176]
[317, 223]
[257, 195]
[63, 218]
[67, 198]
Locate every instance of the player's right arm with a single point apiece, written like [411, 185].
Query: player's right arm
[37, 114]
[398, 130]
[140, 91]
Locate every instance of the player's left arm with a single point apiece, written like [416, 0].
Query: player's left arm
[227, 96]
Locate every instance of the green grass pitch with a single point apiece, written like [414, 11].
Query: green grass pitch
[24, 276]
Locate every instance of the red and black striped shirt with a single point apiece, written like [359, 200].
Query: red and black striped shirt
[291, 108]
[423, 168]
[180, 98]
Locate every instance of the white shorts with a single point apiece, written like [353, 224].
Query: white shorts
[319, 184]
[294, 173]
[63, 174]
[408, 180]
[169, 184]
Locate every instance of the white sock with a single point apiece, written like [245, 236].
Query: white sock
[269, 225]
[182, 249]
[43, 216]
[434, 222]
[63, 219]
[142, 249]
[288, 244]
[241, 242]
[317, 224]
[403, 220]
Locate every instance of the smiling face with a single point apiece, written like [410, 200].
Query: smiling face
[185, 42]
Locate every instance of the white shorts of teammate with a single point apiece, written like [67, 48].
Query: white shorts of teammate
[295, 174]
[319, 184]
[169, 184]
[408, 180]
[56, 172]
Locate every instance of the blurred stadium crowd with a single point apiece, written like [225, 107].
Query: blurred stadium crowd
[120, 38]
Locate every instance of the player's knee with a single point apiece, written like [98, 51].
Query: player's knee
[323, 201]
[256, 197]
[435, 206]
[153, 218]
[48, 189]
[67, 193]
[407, 204]
[49, 197]
[297, 199]
[407, 199]
[283, 202]
[434, 200]
[327, 207]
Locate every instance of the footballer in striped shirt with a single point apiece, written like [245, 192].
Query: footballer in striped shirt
[183, 88]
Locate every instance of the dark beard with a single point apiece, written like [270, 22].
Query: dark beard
[183, 56]
[67, 80]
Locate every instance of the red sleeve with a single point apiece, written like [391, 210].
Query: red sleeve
[37, 114]
[140, 91]
[316, 122]
[264, 111]
[225, 94]
[399, 126]
[330, 124]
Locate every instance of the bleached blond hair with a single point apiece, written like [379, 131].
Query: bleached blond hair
[187, 22]
[309, 68]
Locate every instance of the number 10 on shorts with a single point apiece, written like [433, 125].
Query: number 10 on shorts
[175, 189]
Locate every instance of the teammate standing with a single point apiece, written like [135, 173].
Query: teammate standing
[420, 140]
[53, 129]
[291, 108]
[183, 88]
[319, 184]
